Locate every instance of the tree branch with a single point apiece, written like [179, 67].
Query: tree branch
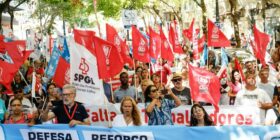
[21, 2]
[197, 3]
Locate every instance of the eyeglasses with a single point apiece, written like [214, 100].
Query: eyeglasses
[177, 80]
[154, 90]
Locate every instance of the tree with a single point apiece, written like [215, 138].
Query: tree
[11, 10]
[235, 16]
[204, 18]
[3, 6]
[48, 10]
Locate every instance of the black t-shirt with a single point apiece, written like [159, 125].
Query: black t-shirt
[183, 95]
[63, 118]
[277, 92]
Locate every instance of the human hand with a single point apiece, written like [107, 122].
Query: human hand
[74, 122]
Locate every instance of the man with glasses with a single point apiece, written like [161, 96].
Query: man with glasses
[70, 112]
[182, 92]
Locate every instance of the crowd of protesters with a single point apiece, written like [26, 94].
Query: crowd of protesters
[157, 86]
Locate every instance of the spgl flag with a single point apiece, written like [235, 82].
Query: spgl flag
[84, 74]
[205, 86]
[216, 37]
[140, 46]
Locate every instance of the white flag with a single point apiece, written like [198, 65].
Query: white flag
[84, 75]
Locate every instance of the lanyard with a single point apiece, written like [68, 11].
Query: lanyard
[74, 111]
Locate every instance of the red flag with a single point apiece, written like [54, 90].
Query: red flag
[216, 37]
[188, 33]
[238, 67]
[261, 41]
[140, 46]
[16, 50]
[18, 54]
[113, 37]
[125, 54]
[196, 45]
[62, 73]
[109, 60]
[201, 44]
[205, 86]
[166, 52]
[174, 40]
[84, 38]
[155, 43]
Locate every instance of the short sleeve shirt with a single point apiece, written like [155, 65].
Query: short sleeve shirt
[63, 118]
[120, 93]
[162, 115]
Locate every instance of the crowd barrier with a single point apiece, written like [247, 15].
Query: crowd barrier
[64, 132]
[228, 115]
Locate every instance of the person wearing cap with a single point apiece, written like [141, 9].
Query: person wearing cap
[182, 92]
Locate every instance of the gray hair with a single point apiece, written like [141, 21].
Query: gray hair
[71, 87]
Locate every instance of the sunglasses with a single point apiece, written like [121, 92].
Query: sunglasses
[177, 80]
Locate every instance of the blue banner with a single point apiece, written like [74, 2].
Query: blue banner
[53, 61]
[65, 52]
[64, 132]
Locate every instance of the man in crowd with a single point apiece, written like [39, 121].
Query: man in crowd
[124, 89]
[264, 82]
[70, 112]
[253, 96]
[183, 93]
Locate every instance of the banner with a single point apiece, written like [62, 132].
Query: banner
[84, 75]
[64, 132]
[228, 115]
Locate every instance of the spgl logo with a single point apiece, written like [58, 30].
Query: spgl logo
[84, 67]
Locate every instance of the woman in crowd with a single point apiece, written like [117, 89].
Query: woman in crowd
[136, 82]
[53, 96]
[130, 114]
[199, 116]
[145, 74]
[235, 85]
[138, 71]
[156, 80]
[158, 108]
[16, 115]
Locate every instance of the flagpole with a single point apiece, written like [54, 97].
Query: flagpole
[112, 93]
[136, 92]
[23, 78]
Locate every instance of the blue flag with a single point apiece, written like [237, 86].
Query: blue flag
[65, 52]
[224, 57]
[53, 61]
[204, 56]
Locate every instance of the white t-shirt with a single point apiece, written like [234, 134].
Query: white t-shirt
[251, 98]
[120, 122]
[267, 87]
